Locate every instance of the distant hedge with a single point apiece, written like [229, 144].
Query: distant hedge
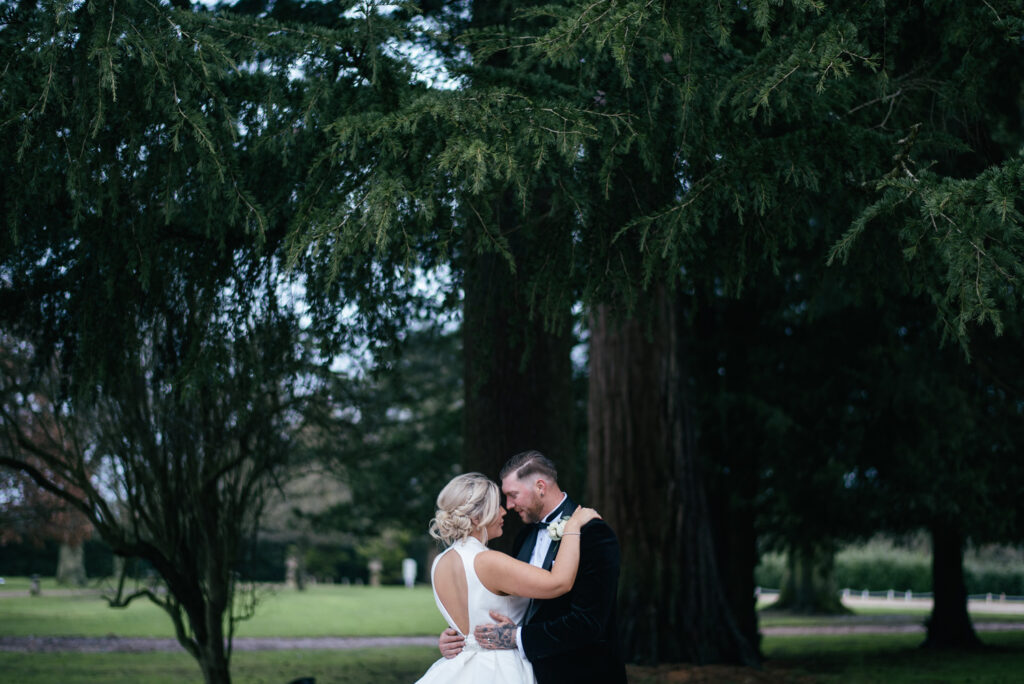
[263, 561]
[26, 559]
[877, 570]
[997, 580]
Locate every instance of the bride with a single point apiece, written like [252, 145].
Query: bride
[470, 580]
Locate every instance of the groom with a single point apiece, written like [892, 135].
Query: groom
[573, 637]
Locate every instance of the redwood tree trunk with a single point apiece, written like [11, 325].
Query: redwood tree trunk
[949, 625]
[729, 445]
[646, 478]
[517, 375]
[731, 500]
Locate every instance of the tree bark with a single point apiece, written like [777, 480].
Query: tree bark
[949, 625]
[201, 611]
[517, 374]
[735, 537]
[71, 564]
[732, 449]
[214, 664]
[646, 478]
[809, 584]
[517, 378]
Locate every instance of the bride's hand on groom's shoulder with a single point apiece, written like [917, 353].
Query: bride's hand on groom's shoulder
[451, 643]
[580, 517]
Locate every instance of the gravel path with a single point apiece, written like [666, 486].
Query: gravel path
[114, 644]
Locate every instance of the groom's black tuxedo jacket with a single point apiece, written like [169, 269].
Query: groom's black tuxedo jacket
[574, 638]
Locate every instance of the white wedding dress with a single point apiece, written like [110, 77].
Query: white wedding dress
[476, 665]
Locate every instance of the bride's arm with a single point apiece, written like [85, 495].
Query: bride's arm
[502, 573]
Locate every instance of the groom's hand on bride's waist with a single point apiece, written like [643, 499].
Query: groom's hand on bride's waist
[451, 643]
[498, 636]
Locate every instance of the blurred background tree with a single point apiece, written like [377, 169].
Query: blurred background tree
[32, 515]
[153, 154]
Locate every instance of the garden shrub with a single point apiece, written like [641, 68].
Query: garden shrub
[877, 567]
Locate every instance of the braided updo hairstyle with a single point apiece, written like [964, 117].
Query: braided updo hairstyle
[469, 502]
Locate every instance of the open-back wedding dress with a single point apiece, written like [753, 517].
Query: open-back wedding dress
[476, 665]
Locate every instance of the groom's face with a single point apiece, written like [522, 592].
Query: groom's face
[522, 497]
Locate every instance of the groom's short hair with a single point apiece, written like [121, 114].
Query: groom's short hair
[527, 463]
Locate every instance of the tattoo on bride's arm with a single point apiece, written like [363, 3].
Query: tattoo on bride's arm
[499, 637]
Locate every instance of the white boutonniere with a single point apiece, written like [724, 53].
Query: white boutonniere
[557, 528]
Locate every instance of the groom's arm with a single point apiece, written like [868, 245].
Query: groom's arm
[591, 599]
[451, 643]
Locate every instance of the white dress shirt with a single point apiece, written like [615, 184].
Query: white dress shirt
[540, 551]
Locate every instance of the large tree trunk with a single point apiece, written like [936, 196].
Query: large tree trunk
[71, 564]
[645, 477]
[949, 625]
[729, 444]
[517, 374]
[735, 537]
[809, 583]
[518, 377]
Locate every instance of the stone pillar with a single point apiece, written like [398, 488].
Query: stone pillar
[294, 572]
[375, 566]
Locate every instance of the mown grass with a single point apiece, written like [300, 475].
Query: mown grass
[880, 616]
[365, 611]
[318, 611]
[365, 666]
[897, 658]
[23, 583]
[828, 659]
[324, 610]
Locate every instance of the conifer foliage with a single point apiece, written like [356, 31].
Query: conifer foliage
[700, 147]
[153, 157]
[163, 163]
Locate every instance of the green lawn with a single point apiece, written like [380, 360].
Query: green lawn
[376, 666]
[364, 611]
[318, 611]
[767, 618]
[829, 660]
[323, 610]
[23, 584]
[897, 658]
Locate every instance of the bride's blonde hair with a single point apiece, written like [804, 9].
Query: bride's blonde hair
[470, 501]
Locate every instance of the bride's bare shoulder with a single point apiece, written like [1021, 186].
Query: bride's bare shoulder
[491, 556]
[492, 561]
